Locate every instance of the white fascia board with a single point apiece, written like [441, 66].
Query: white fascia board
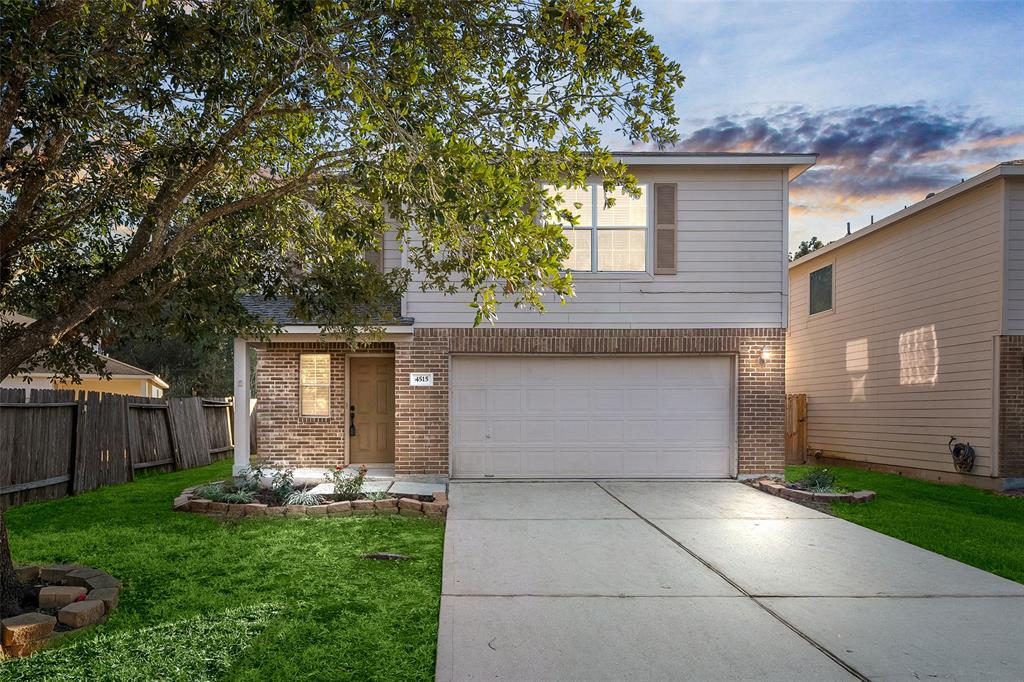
[797, 163]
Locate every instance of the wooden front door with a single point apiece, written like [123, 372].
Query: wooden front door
[371, 410]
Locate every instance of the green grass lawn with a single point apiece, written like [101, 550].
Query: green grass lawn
[974, 526]
[255, 599]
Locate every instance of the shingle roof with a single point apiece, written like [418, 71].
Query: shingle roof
[280, 311]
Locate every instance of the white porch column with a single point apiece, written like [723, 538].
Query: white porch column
[241, 379]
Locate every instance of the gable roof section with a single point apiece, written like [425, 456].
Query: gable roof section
[280, 311]
[1007, 168]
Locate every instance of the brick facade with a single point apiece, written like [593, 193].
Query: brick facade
[1011, 406]
[282, 435]
[421, 413]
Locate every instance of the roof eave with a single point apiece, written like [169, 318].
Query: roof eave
[937, 198]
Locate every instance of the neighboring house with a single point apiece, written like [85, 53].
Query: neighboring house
[669, 362]
[911, 330]
[124, 379]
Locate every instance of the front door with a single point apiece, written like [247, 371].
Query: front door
[371, 413]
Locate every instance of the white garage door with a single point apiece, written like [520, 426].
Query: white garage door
[591, 417]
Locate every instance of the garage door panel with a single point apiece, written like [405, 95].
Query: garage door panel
[539, 431]
[607, 400]
[596, 416]
[469, 400]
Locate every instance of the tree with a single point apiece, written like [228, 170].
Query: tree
[806, 247]
[159, 157]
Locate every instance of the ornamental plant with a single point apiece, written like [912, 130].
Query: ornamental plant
[347, 486]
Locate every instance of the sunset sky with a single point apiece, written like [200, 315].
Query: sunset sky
[899, 98]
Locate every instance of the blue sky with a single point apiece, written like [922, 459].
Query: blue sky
[900, 98]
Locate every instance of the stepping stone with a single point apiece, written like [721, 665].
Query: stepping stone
[376, 486]
[81, 613]
[414, 488]
[54, 597]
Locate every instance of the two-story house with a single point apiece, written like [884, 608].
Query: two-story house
[669, 361]
[910, 332]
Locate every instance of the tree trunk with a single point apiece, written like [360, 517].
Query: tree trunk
[10, 586]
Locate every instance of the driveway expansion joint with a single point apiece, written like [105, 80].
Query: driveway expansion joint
[807, 638]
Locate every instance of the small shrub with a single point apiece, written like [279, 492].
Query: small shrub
[304, 498]
[820, 481]
[376, 495]
[214, 492]
[282, 484]
[240, 496]
[251, 477]
[346, 486]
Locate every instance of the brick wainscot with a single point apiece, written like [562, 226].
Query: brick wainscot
[421, 412]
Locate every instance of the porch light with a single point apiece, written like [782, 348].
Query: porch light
[765, 356]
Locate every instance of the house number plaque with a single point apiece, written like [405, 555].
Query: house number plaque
[421, 378]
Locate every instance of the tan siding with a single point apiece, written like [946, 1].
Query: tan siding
[1014, 207]
[938, 270]
[729, 256]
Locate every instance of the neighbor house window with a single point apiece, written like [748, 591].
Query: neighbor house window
[821, 290]
[315, 384]
[606, 238]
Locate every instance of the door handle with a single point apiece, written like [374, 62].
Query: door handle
[352, 421]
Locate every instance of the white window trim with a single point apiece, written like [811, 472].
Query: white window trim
[302, 410]
[832, 308]
[594, 228]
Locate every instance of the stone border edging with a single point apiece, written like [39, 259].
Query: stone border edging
[406, 506]
[83, 596]
[796, 495]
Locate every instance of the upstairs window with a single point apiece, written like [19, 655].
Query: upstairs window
[315, 385]
[821, 290]
[606, 238]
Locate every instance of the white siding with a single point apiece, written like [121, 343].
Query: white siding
[392, 252]
[730, 265]
[905, 359]
[1014, 207]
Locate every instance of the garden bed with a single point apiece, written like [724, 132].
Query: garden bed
[254, 494]
[58, 598]
[817, 485]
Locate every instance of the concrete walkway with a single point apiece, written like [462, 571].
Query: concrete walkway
[704, 581]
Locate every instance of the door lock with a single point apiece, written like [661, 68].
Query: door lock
[352, 421]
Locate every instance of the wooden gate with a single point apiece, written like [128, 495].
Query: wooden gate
[796, 428]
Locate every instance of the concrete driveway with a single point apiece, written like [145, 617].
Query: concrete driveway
[704, 581]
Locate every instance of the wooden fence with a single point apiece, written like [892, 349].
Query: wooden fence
[796, 428]
[57, 443]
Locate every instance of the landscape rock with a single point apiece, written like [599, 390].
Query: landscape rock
[56, 596]
[316, 510]
[103, 581]
[200, 506]
[28, 627]
[862, 496]
[342, 508]
[255, 509]
[81, 613]
[275, 511]
[295, 510]
[385, 504]
[54, 573]
[27, 574]
[435, 509]
[362, 506]
[217, 507]
[410, 504]
[80, 576]
[107, 595]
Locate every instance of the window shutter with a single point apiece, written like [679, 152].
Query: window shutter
[665, 228]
